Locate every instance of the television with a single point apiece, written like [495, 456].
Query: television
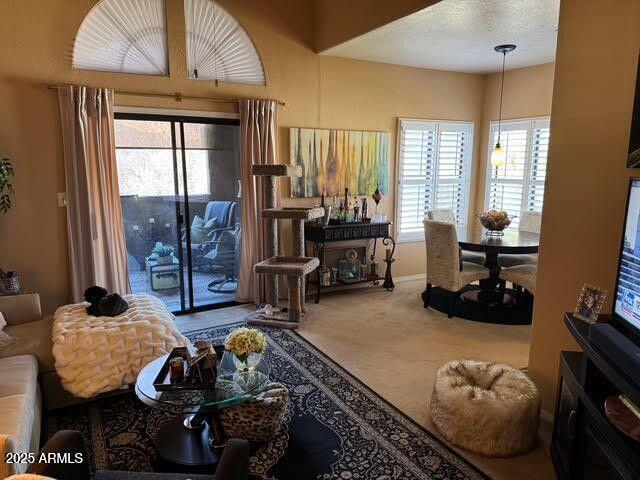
[627, 295]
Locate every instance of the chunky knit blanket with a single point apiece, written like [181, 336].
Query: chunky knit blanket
[100, 354]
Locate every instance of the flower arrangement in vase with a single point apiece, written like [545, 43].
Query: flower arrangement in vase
[247, 346]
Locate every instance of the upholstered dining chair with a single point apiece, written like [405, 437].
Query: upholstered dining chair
[444, 268]
[524, 276]
[529, 222]
[449, 216]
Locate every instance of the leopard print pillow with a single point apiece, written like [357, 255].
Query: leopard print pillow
[259, 418]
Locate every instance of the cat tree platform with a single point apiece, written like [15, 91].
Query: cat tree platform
[295, 269]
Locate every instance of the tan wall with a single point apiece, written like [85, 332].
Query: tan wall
[527, 93]
[35, 44]
[587, 179]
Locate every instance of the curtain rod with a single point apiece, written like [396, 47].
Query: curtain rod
[177, 96]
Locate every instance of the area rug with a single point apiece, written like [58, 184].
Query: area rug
[335, 426]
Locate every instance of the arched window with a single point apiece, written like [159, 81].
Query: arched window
[126, 36]
[218, 48]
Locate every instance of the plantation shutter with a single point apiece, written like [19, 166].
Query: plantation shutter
[518, 185]
[434, 163]
[538, 166]
[453, 160]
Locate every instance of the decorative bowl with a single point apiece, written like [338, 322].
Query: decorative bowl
[494, 221]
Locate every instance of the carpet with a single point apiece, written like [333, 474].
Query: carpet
[335, 426]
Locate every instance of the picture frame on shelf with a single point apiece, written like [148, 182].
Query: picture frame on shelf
[590, 303]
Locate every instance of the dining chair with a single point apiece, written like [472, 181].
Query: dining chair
[444, 268]
[524, 276]
[529, 222]
[449, 216]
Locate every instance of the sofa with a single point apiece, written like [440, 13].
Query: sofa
[32, 334]
[20, 362]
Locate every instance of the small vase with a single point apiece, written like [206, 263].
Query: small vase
[245, 374]
[247, 364]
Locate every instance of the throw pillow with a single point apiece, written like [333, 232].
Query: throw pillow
[200, 230]
[4, 338]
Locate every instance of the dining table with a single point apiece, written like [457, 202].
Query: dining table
[512, 241]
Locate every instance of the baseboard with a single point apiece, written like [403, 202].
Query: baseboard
[546, 429]
[407, 278]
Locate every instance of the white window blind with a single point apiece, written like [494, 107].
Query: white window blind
[518, 185]
[434, 163]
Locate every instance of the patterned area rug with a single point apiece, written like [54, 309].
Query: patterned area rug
[335, 426]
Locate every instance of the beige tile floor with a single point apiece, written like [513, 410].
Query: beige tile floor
[392, 344]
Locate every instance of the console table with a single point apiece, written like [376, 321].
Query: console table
[585, 444]
[320, 235]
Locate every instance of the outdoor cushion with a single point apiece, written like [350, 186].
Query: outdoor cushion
[200, 229]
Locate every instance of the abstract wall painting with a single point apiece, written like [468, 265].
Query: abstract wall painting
[333, 160]
[633, 161]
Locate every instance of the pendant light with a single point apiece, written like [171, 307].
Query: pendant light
[498, 154]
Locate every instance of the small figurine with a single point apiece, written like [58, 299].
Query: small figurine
[364, 208]
[377, 197]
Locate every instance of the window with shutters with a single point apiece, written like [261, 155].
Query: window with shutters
[518, 185]
[434, 168]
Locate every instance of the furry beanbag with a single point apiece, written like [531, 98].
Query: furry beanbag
[488, 408]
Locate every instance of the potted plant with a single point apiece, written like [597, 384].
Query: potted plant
[6, 187]
[164, 254]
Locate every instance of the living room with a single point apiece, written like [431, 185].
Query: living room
[174, 225]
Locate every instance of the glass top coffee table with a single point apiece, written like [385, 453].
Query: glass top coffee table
[193, 436]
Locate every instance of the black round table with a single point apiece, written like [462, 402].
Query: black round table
[194, 435]
[487, 303]
[513, 241]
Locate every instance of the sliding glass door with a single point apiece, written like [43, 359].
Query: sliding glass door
[179, 183]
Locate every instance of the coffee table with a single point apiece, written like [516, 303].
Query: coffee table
[162, 276]
[194, 437]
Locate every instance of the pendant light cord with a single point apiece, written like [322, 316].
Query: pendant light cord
[504, 57]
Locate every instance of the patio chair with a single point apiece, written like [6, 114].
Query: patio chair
[223, 258]
[222, 214]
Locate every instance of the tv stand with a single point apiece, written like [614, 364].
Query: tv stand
[585, 444]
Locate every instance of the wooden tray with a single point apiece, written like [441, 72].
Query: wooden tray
[162, 383]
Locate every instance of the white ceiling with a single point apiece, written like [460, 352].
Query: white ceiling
[459, 35]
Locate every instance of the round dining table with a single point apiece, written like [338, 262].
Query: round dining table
[513, 241]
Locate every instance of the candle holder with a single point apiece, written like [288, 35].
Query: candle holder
[388, 279]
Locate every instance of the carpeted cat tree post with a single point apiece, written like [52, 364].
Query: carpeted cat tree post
[295, 267]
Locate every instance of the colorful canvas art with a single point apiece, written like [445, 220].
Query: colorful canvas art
[333, 160]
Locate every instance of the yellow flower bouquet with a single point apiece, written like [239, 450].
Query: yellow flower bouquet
[242, 342]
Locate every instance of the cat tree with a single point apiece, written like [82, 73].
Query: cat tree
[295, 268]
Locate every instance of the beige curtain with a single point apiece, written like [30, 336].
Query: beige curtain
[97, 252]
[258, 124]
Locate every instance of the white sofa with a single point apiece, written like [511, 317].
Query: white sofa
[20, 362]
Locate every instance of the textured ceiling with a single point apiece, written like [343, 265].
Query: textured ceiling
[459, 35]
